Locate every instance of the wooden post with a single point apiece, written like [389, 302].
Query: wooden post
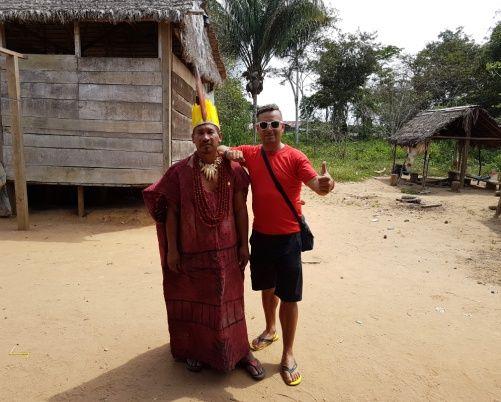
[165, 54]
[455, 186]
[2, 35]
[479, 160]
[464, 161]
[394, 158]
[498, 209]
[76, 34]
[2, 44]
[81, 205]
[14, 90]
[425, 165]
[466, 150]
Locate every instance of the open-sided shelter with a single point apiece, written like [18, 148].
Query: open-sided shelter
[471, 126]
[106, 88]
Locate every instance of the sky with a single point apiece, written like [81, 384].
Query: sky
[406, 24]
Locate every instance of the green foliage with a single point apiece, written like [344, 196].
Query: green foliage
[234, 112]
[255, 31]
[389, 98]
[356, 160]
[343, 68]
[489, 94]
[448, 71]
[350, 160]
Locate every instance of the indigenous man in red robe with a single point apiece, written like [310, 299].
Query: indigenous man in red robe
[199, 206]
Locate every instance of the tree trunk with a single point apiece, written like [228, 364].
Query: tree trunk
[254, 116]
[296, 101]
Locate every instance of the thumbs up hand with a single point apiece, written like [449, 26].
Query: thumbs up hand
[325, 182]
[324, 168]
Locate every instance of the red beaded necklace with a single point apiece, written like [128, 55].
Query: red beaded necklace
[208, 215]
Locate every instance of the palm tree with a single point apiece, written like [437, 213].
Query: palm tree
[255, 31]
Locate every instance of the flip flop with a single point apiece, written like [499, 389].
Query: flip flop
[193, 365]
[247, 364]
[266, 342]
[291, 370]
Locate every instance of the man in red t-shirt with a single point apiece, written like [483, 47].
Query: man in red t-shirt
[275, 241]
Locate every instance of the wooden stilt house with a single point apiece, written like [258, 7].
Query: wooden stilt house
[106, 88]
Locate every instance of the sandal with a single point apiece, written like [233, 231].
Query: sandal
[193, 365]
[264, 341]
[284, 369]
[249, 364]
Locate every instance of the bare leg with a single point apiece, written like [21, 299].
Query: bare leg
[288, 319]
[270, 303]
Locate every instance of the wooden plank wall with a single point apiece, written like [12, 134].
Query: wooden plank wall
[2, 43]
[92, 121]
[183, 97]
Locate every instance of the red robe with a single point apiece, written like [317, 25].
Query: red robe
[205, 301]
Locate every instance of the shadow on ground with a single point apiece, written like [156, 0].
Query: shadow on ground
[53, 217]
[154, 375]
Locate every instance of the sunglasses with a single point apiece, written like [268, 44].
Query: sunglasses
[263, 125]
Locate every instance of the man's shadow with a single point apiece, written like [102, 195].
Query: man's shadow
[155, 375]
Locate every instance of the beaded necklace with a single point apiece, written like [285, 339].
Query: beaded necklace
[207, 214]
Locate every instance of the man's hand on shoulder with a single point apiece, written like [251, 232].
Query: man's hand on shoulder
[231, 154]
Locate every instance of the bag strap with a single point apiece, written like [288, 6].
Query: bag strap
[279, 187]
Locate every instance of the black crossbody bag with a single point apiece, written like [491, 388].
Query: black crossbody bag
[306, 235]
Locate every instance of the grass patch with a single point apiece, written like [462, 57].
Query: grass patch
[350, 160]
[357, 160]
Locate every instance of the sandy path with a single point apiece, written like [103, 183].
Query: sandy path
[415, 316]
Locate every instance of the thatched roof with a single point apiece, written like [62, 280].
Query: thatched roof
[198, 43]
[95, 10]
[453, 122]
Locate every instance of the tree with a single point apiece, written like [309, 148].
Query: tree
[389, 99]
[255, 31]
[295, 73]
[489, 95]
[234, 111]
[298, 64]
[343, 68]
[447, 71]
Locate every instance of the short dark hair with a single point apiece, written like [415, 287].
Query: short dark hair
[267, 108]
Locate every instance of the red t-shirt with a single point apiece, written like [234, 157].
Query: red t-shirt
[292, 168]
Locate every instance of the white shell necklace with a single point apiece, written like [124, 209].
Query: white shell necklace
[209, 170]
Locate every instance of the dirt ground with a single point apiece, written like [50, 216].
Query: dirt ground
[399, 304]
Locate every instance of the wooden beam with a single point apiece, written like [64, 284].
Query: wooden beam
[76, 34]
[474, 139]
[2, 35]
[11, 53]
[12, 64]
[165, 53]
[498, 209]
[2, 44]
[81, 206]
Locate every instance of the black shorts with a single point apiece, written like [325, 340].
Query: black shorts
[275, 262]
